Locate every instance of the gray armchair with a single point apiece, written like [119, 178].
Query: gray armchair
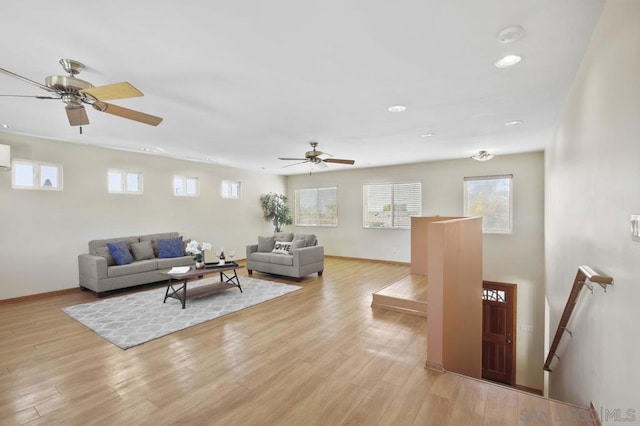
[291, 255]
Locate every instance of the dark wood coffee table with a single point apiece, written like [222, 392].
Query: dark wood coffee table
[178, 282]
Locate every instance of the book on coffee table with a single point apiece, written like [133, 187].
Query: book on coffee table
[179, 269]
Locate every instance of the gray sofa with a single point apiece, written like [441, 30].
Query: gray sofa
[99, 273]
[291, 255]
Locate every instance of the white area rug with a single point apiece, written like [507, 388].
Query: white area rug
[136, 318]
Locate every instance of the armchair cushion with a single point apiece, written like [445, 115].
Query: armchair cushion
[296, 244]
[287, 237]
[281, 247]
[310, 240]
[265, 244]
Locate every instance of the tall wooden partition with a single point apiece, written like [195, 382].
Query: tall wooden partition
[419, 238]
[454, 295]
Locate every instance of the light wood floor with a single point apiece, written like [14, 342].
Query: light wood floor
[320, 355]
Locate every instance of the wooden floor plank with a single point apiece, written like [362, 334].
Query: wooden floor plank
[320, 355]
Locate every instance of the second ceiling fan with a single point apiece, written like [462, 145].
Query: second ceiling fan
[315, 157]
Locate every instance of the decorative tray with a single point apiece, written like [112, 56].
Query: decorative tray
[211, 265]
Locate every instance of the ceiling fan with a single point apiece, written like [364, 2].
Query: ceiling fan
[75, 93]
[313, 157]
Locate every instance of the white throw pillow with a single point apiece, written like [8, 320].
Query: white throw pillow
[281, 247]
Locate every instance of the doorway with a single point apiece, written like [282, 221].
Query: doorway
[499, 332]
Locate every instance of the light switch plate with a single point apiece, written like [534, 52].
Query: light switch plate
[635, 227]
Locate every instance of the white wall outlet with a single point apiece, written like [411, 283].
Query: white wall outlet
[635, 227]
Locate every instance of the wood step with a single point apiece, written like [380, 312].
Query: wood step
[407, 295]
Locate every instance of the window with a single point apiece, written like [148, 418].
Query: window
[316, 207]
[230, 189]
[490, 197]
[494, 295]
[124, 182]
[36, 175]
[391, 205]
[186, 186]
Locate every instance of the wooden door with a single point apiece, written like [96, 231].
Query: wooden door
[498, 332]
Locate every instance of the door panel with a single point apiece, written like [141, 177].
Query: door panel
[498, 332]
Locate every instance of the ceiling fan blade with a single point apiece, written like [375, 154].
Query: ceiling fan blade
[27, 80]
[113, 91]
[288, 158]
[295, 164]
[77, 116]
[338, 160]
[141, 117]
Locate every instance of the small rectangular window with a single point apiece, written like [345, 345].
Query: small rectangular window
[390, 206]
[230, 189]
[36, 175]
[490, 197]
[124, 182]
[316, 206]
[186, 186]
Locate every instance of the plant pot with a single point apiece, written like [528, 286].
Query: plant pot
[199, 265]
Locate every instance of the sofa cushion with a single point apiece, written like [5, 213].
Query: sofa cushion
[154, 238]
[132, 268]
[283, 236]
[282, 259]
[94, 244]
[296, 244]
[265, 244]
[281, 247]
[142, 250]
[175, 261]
[120, 253]
[170, 247]
[104, 252]
[310, 240]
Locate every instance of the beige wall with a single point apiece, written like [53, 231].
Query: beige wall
[517, 258]
[43, 231]
[593, 173]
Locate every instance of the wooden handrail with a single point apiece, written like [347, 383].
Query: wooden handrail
[584, 273]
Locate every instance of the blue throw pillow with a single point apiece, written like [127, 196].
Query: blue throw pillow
[171, 247]
[120, 253]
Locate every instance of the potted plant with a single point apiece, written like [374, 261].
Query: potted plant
[276, 210]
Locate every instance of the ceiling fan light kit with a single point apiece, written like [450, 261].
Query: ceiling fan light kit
[482, 156]
[5, 158]
[74, 93]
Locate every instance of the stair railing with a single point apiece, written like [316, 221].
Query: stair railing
[584, 273]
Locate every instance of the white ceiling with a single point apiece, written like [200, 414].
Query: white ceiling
[241, 83]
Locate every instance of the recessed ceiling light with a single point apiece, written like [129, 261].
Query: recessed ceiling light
[397, 108]
[513, 123]
[145, 149]
[428, 135]
[508, 61]
[5, 126]
[510, 34]
[482, 156]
